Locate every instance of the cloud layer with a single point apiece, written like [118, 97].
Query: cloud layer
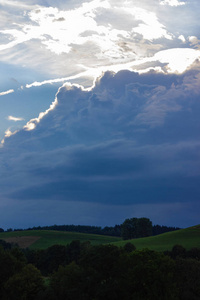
[130, 141]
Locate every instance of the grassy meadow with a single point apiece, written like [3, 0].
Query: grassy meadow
[48, 238]
[188, 238]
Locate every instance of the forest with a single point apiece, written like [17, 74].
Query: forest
[84, 272]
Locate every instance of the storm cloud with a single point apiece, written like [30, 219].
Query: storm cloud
[130, 141]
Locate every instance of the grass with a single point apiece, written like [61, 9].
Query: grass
[188, 238]
[50, 237]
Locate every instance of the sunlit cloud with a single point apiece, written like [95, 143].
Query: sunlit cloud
[61, 36]
[172, 2]
[194, 41]
[51, 81]
[56, 35]
[150, 28]
[182, 38]
[79, 31]
[92, 73]
[6, 92]
[174, 60]
[8, 133]
[178, 60]
[30, 125]
[11, 118]
[77, 45]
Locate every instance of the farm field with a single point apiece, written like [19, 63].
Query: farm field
[188, 238]
[42, 239]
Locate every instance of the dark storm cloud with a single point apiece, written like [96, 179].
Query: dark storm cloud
[132, 139]
[118, 173]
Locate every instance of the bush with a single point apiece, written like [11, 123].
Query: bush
[129, 247]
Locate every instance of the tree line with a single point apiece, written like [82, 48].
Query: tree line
[130, 228]
[84, 272]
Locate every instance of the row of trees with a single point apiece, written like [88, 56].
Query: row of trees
[130, 228]
[84, 272]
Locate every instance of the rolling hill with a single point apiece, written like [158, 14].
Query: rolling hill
[188, 238]
[42, 239]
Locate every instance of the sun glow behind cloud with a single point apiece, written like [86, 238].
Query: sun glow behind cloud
[72, 32]
[85, 41]
[177, 60]
[82, 43]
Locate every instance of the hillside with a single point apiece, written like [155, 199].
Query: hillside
[188, 238]
[42, 239]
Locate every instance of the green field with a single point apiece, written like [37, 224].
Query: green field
[50, 237]
[188, 238]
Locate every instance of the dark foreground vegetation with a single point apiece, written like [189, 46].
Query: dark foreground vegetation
[80, 271]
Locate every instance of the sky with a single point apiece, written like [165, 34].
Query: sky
[99, 112]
